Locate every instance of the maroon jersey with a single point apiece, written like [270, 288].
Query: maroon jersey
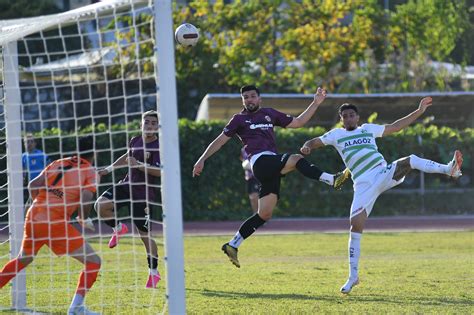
[255, 130]
[149, 154]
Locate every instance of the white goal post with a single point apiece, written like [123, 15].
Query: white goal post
[88, 66]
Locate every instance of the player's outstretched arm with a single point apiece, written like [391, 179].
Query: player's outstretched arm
[211, 149]
[410, 118]
[310, 145]
[121, 161]
[305, 116]
[37, 183]
[144, 167]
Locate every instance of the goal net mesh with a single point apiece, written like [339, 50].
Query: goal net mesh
[90, 71]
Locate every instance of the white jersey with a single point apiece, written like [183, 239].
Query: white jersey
[357, 148]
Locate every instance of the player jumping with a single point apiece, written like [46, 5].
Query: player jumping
[370, 172]
[254, 126]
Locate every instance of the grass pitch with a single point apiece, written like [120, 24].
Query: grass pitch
[280, 274]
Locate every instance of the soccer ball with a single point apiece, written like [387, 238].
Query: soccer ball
[186, 35]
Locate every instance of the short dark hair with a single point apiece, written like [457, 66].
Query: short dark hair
[30, 135]
[86, 146]
[347, 106]
[246, 88]
[151, 113]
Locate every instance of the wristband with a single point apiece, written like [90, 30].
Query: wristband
[109, 169]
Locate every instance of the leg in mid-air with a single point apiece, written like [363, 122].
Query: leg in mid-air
[453, 168]
[366, 192]
[380, 181]
[267, 169]
[104, 207]
[298, 162]
[266, 204]
[91, 261]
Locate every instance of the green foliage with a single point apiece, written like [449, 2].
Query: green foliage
[295, 46]
[26, 8]
[132, 44]
[372, 117]
[220, 192]
[429, 26]
[290, 46]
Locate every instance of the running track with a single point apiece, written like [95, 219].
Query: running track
[336, 225]
[308, 225]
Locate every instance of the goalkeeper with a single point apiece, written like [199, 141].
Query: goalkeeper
[64, 186]
[135, 190]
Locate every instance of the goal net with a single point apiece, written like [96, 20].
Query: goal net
[93, 71]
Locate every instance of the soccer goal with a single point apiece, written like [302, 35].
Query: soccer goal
[92, 71]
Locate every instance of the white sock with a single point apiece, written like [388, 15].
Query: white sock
[118, 228]
[428, 166]
[354, 254]
[77, 300]
[154, 272]
[236, 240]
[327, 178]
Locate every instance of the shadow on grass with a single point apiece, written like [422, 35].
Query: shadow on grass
[413, 300]
[338, 298]
[273, 296]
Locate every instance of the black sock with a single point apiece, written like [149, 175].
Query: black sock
[251, 225]
[111, 222]
[308, 170]
[152, 262]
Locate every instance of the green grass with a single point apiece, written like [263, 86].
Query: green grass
[280, 274]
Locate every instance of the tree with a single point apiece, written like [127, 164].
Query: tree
[14, 9]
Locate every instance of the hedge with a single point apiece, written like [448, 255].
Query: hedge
[220, 192]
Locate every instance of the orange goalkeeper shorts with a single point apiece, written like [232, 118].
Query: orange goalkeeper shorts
[60, 236]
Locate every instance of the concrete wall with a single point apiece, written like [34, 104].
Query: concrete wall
[454, 109]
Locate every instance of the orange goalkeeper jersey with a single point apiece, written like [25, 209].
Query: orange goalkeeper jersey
[65, 179]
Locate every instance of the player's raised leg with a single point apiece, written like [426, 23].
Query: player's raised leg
[298, 162]
[453, 168]
[105, 208]
[86, 255]
[266, 204]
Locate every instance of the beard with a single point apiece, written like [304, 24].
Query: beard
[252, 109]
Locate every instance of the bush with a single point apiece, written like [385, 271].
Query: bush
[220, 192]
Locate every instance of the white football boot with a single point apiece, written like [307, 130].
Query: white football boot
[350, 283]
